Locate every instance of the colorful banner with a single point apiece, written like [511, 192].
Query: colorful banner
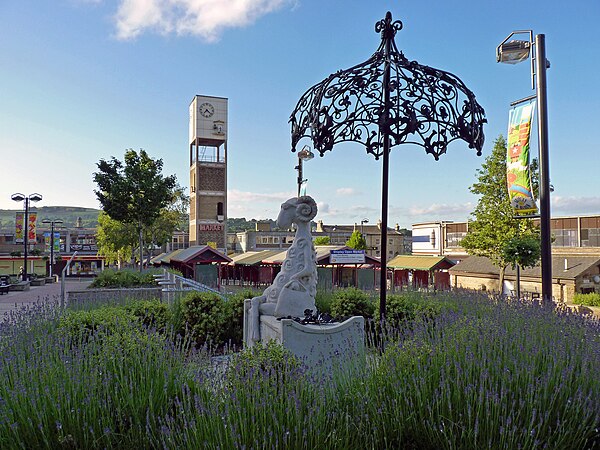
[48, 241]
[31, 227]
[19, 227]
[518, 176]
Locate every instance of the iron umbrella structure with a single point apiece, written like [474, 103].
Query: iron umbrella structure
[386, 101]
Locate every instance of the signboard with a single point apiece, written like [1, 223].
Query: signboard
[48, 241]
[347, 257]
[19, 224]
[21, 227]
[210, 227]
[518, 177]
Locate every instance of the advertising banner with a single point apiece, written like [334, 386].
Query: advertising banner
[19, 226]
[48, 242]
[518, 176]
[31, 227]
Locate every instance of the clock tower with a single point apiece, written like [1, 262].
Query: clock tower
[208, 171]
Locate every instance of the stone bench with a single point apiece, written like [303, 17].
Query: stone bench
[38, 282]
[20, 286]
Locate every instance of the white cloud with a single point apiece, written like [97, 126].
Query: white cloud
[442, 210]
[204, 18]
[346, 191]
[575, 205]
[255, 205]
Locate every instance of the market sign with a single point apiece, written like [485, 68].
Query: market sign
[347, 257]
[210, 227]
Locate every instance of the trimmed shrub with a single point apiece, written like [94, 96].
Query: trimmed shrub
[123, 279]
[351, 302]
[323, 301]
[205, 317]
[151, 313]
[235, 316]
[80, 324]
[591, 299]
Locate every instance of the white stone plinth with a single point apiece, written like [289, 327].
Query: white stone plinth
[327, 345]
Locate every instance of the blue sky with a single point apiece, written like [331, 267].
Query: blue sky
[83, 80]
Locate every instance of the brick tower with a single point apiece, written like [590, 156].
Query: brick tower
[208, 171]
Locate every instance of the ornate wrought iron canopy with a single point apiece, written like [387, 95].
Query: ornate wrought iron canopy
[424, 106]
[385, 101]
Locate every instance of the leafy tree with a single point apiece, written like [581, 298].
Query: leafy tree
[495, 233]
[322, 240]
[172, 217]
[524, 251]
[357, 241]
[116, 240]
[134, 191]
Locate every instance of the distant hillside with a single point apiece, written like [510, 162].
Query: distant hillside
[68, 214]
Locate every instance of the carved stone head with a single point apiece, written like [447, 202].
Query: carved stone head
[297, 210]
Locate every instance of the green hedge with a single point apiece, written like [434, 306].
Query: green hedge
[124, 278]
[592, 299]
[352, 302]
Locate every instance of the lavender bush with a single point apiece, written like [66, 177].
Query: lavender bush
[482, 374]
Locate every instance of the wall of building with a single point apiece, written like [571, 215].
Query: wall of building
[562, 291]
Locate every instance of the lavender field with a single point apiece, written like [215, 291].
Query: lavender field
[483, 373]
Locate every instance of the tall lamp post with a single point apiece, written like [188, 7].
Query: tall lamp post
[52, 223]
[303, 155]
[512, 52]
[361, 226]
[26, 199]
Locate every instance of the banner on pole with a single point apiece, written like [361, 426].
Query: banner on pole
[19, 226]
[518, 175]
[48, 241]
[31, 227]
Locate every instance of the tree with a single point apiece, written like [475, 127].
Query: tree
[172, 217]
[134, 192]
[115, 240]
[357, 241]
[322, 240]
[495, 230]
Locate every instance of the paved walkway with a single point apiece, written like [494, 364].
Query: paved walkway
[17, 299]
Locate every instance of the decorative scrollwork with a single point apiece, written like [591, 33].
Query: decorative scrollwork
[427, 107]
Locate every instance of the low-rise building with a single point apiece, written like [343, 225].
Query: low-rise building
[575, 257]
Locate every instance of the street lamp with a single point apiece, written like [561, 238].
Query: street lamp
[22, 198]
[361, 226]
[52, 223]
[513, 52]
[303, 155]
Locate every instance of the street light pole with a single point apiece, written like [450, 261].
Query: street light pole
[52, 223]
[545, 239]
[303, 155]
[26, 199]
[513, 52]
[361, 226]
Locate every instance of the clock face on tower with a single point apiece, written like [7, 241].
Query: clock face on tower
[207, 110]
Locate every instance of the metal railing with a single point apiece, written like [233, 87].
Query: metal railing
[174, 285]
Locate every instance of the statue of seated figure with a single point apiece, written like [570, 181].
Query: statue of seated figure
[294, 288]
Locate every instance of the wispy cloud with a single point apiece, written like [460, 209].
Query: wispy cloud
[575, 205]
[346, 192]
[255, 205]
[441, 210]
[206, 19]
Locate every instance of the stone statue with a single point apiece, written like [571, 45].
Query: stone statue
[294, 288]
